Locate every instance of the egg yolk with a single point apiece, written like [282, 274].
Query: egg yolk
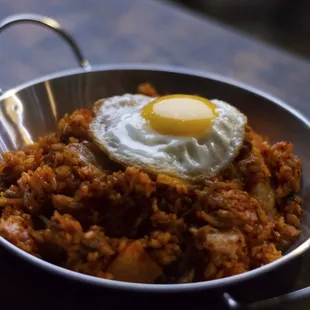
[180, 115]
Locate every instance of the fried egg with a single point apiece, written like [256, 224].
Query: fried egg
[184, 136]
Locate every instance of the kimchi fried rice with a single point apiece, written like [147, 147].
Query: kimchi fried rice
[64, 201]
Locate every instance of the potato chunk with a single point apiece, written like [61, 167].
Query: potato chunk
[133, 264]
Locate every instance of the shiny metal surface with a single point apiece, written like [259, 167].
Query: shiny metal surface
[49, 23]
[33, 109]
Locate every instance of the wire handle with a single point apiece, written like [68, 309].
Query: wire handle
[52, 24]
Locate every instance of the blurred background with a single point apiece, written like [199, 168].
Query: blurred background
[284, 23]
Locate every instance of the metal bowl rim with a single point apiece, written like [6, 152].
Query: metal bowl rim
[159, 288]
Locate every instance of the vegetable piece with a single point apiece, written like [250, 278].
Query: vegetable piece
[263, 192]
[133, 264]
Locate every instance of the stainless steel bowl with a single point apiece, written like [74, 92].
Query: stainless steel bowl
[33, 109]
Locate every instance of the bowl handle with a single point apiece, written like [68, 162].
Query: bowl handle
[52, 24]
[270, 303]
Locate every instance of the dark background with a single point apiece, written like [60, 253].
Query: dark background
[285, 23]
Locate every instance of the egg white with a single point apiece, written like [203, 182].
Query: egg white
[127, 138]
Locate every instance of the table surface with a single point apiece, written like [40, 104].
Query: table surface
[146, 31]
